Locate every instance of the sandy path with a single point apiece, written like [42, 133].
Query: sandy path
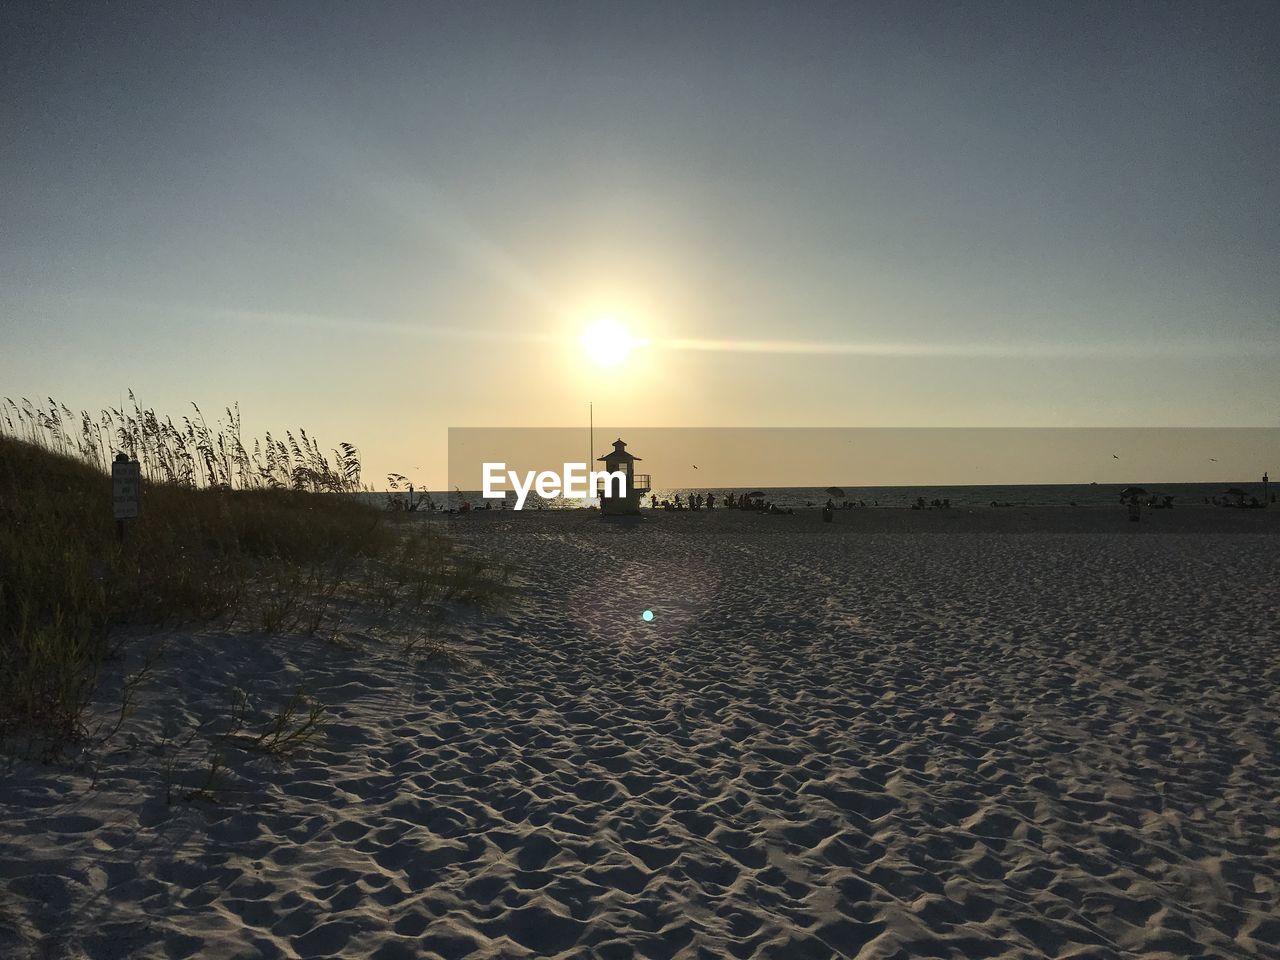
[864, 739]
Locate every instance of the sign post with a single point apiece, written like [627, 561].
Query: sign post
[126, 490]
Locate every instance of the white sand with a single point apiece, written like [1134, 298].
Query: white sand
[902, 734]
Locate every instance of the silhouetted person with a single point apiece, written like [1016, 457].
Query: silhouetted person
[711, 501]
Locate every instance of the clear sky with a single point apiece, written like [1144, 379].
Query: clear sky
[379, 221]
[712, 457]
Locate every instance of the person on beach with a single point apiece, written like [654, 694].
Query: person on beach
[711, 501]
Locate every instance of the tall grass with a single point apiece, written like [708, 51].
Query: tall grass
[190, 454]
[258, 541]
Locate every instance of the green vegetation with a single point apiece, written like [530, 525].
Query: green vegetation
[270, 544]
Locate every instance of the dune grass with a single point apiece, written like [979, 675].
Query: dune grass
[262, 551]
[188, 453]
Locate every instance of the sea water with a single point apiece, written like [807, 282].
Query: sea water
[968, 496]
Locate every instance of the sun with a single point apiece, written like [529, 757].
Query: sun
[608, 342]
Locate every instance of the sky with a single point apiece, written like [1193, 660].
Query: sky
[718, 457]
[382, 220]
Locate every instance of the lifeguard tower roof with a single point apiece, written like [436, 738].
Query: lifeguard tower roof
[619, 452]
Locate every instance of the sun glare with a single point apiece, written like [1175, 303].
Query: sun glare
[608, 342]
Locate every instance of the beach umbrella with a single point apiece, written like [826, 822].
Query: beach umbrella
[1133, 492]
[834, 492]
[754, 494]
[1236, 492]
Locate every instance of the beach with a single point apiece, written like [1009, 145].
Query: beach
[950, 733]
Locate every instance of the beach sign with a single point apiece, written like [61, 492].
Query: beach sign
[126, 488]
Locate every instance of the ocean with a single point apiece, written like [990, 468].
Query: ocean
[968, 496]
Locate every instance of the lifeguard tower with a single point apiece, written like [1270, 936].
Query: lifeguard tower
[636, 484]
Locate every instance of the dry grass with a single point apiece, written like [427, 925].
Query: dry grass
[185, 454]
[256, 555]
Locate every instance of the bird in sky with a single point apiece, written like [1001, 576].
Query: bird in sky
[1115, 456]
[1213, 459]
[695, 466]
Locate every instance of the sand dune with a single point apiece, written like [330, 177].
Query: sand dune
[893, 736]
